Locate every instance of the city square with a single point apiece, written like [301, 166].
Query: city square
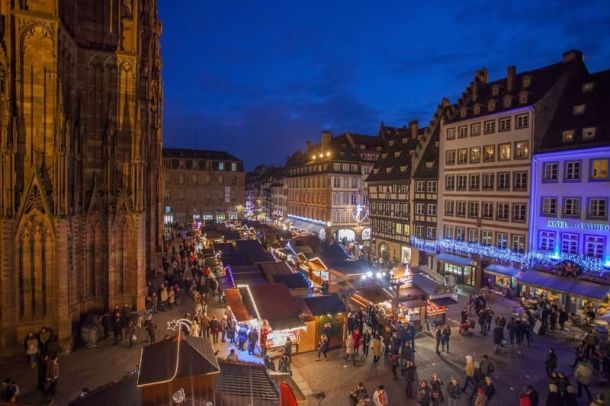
[284, 204]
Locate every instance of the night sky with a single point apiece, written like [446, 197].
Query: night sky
[259, 78]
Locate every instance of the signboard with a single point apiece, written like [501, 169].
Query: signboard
[583, 226]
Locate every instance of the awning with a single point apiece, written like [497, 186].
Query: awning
[444, 301]
[563, 284]
[425, 283]
[413, 304]
[304, 225]
[286, 323]
[237, 305]
[454, 259]
[503, 270]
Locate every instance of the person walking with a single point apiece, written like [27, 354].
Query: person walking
[454, 392]
[349, 350]
[393, 359]
[215, 329]
[376, 348]
[31, 345]
[409, 372]
[583, 378]
[252, 340]
[358, 395]
[445, 338]
[366, 341]
[550, 362]
[553, 398]
[480, 399]
[42, 363]
[436, 391]
[423, 394]
[469, 373]
[356, 338]
[151, 328]
[52, 376]
[380, 396]
[439, 338]
[322, 347]
[131, 333]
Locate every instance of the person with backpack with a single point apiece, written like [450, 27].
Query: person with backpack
[10, 390]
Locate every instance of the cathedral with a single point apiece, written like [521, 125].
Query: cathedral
[80, 160]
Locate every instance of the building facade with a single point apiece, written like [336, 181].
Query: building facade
[571, 178]
[202, 186]
[80, 152]
[326, 185]
[485, 159]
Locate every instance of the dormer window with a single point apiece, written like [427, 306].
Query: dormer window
[463, 112]
[579, 109]
[403, 168]
[396, 154]
[384, 155]
[507, 101]
[376, 171]
[405, 140]
[495, 90]
[491, 105]
[526, 82]
[568, 136]
[588, 87]
[523, 97]
[362, 146]
[391, 143]
[588, 133]
[477, 109]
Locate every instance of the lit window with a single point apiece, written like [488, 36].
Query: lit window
[504, 152]
[450, 157]
[595, 246]
[504, 181]
[550, 172]
[522, 149]
[475, 155]
[489, 153]
[473, 209]
[508, 99]
[474, 181]
[572, 170]
[587, 87]
[504, 124]
[518, 243]
[502, 241]
[495, 89]
[491, 105]
[463, 112]
[523, 98]
[522, 120]
[526, 81]
[477, 109]
[571, 206]
[449, 207]
[463, 132]
[519, 212]
[487, 237]
[488, 181]
[462, 156]
[598, 208]
[460, 208]
[449, 182]
[599, 169]
[502, 212]
[451, 133]
[221, 166]
[567, 136]
[490, 127]
[579, 109]
[488, 210]
[588, 133]
[569, 243]
[549, 206]
[546, 241]
[475, 129]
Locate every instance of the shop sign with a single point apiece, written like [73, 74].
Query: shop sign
[583, 226]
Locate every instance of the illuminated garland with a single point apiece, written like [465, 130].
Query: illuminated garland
[529, 260]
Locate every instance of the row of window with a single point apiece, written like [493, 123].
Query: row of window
[488, 127]
[593, 246]
[487, 210]
[597, 207]
[428, 233]
[200, 164]
[207, 179]
[485, 237]
[403, 189]
[500, 181]
[425, 186]
[389, 208]
[389, 227]
[572, 170]
[345, 198]
[488, 153]
[422, 209]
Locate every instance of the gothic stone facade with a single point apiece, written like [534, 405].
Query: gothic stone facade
[80, 159]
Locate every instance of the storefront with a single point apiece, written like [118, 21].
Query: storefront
[501, 279]
[463, 269]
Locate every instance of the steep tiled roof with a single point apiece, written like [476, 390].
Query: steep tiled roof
[198, 154]
[324, 304]
[540, 82]
[343, 148]
[596, 114]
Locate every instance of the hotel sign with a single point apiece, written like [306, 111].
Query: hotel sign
[583, 226]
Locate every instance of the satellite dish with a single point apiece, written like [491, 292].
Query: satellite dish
[179, 397]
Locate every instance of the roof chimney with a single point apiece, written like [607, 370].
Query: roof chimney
[413, 125]
[326, 137]
[572, 55]
[307, 146]
[474, 88]
[482, 75]
[510, 78]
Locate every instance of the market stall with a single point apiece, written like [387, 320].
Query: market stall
[316, 270]
[323, 314]
[501, 279]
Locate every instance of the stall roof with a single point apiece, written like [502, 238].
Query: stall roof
[275, 268]
[412, 292]
[346, 267]
[293, 281]
[231, 235]
[235, 260]
[324, 304]
[563, 284]
[425, 283]
[124, 389]
[375, 294]
[453, 259]
[503, 270]
[254, 251]
[444, 301]
[237, 305]
[309, 227]
[276, 305]
[176, 357]
[244, 383]
[224, 247]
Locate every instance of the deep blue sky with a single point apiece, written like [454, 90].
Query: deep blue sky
[258, 78]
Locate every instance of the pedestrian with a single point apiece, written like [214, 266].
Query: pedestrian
[131, 333]
[487, 367]
[380, 397]
[242, 337]
[215, 329]
[356, 338]
[366, 341]
[489, 388]
[376, 347]
[498, 336]
[42, 363]
[9, 391]
[252, 340]
[553, 398]
[393, 359]
[322, 347]
[288, 348]
[524, 398]
[454, 392]
[445, 338]
[31, 346]
[469, 373]
[409, 373]
[423, 394]
[232, 355]
[205, 325]
[195, 329]
[44, 336]
[563, 317]
[358, 395]
[436, 391]
[480, 399]
[52, 376]
[550, 362]
[349, 350]
[583, 378]
[439, 338]
[569, 398]
[224, 325]
[150, 329]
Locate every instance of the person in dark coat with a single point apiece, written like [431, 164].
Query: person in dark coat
[550, 362]
[498, 337]
[42, 372]
[553, 398]
[439, 338]
[409, 373]
[569, 398]
[563, 317]
[436, 390]
[445, 338]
